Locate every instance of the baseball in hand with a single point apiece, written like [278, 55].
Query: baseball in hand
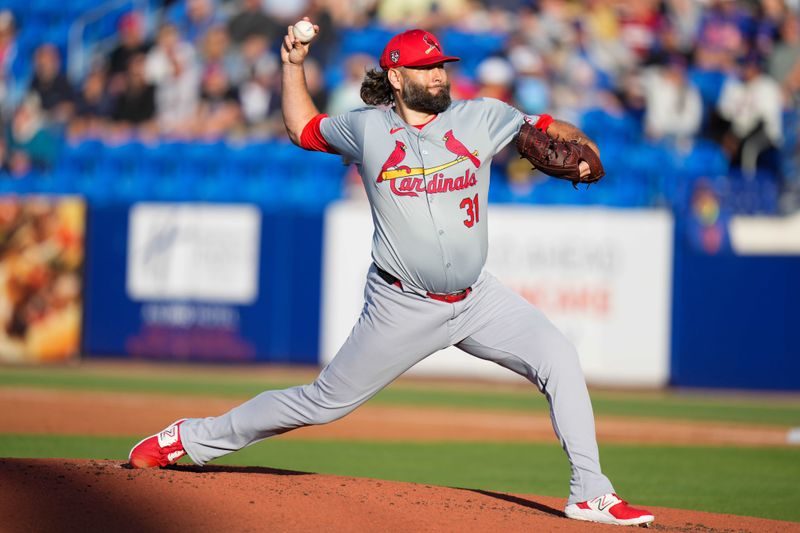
[304, 31]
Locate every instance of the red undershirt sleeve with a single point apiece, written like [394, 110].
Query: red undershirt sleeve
[543, 123]
[312, 139]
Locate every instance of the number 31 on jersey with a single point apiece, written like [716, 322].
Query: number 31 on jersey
[473, 210]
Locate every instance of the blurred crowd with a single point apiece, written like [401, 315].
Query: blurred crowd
[659, 70]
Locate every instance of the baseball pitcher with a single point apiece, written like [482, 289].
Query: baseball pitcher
[424, 161]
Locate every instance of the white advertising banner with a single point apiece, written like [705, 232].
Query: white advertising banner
[203, 252]
[603, 276]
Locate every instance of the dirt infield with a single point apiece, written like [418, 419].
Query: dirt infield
[38, 411]
[55, 495]
[60, 495]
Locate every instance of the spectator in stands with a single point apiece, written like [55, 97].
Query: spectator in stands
[347, 95]
[768, 20]
[599, 43]
[640, 22]
[532, 80]
[791, 87]
[667, 47]
[219, 113]
[251, 20]
[4, 160]
[259, 87]
[328, 42]
[550, 27]
[349, 13]
[31, 145]
[577, 89]
[216, 53]
[51, 86]
[285, 11]
[9, 87]
[92, 107]
[429, 13]
[785, 56]
[135, 107]
[684, 20]
[750, 109]
[316, 83]
[720, 36]
[132, 42]
[496, 77]
[674, 109]
[171, 66]
[632, 96]
[193, 18]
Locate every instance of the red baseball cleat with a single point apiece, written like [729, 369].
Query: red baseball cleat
[609, 509]
[161, 449]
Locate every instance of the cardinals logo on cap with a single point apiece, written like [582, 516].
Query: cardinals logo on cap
[394, 56]
[431, 45]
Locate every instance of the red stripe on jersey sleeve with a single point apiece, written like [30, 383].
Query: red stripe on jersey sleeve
[312, 139]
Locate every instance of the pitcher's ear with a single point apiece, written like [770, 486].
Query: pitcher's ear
[395, 78]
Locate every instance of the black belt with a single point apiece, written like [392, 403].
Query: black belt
[449, 298]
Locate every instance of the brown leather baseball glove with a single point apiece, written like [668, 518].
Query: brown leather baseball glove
[559, 159]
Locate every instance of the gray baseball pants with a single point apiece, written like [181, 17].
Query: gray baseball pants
[395, 331]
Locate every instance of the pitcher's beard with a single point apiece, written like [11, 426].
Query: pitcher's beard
[418, 98]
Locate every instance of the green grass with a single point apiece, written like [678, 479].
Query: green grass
[73, 379]
[683, 406]
[712, 479]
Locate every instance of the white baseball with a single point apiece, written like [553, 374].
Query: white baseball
[304, 31]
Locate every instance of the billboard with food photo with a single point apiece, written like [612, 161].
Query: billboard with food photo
[41, 261]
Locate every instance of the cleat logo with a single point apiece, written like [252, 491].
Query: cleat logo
[605, 501]
[174, 456]
[168, 437]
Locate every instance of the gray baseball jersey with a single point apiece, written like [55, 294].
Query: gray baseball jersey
[427, 187]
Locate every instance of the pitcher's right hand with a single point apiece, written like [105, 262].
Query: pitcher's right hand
[293, 51]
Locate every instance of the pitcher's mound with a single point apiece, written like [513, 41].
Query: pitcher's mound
[58, 495]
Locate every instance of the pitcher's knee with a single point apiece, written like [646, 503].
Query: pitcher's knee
[324, 408]
[561, 360]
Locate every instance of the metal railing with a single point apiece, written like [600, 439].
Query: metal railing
[79, 54]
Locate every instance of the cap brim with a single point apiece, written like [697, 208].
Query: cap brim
[432, 61]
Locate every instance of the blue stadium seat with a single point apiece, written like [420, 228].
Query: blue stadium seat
[601, 125]
[370, 40]
[123, 168]
[705, 159]
[471, 47]
[254, 171]
[81, 160]
[755, 195]
[55, 182]
[709, 83]
[17, 184]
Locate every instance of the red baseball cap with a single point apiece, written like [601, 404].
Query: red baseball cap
[413, 48]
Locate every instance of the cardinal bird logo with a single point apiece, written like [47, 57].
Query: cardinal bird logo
[397, 155]
[431, 45]
[455, 146]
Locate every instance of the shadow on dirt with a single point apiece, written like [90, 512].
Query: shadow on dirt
[229, 469]
[519, 501]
